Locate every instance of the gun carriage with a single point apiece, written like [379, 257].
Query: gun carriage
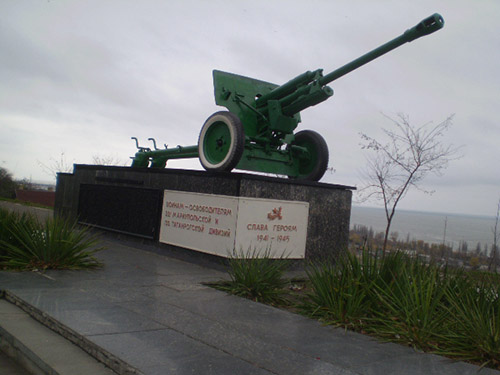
[256, 132]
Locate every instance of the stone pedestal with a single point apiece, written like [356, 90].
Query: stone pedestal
[130, 201]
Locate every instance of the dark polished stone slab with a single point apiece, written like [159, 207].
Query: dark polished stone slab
[98, 195]
[98, 321]
[169, 352]
[53, 300]
[167, 322]
[421, 363]
[277, 356]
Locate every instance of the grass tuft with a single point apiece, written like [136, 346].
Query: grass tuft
[7, 220]
[27, 244]
[401, 299]
[256, 276]
[338, 295]
[411, 307]
[473, 332]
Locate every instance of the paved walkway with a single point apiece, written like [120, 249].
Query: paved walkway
[9, 367]
[41, 213]
[145, 313]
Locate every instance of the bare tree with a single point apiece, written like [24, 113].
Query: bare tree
[56, 165]
[408, 156]
[496, 235]
[107, 160]
[63, 165]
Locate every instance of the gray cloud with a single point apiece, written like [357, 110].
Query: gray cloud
[83, 77]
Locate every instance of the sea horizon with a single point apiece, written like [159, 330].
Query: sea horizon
[429, 212]
[431, 227]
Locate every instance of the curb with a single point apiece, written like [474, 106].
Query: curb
[41, 350]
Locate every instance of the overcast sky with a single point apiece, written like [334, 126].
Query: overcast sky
[80, 78]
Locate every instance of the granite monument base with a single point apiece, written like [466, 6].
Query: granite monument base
[131, 201]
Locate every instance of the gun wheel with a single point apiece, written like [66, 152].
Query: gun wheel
[221, 142]
[313, 167]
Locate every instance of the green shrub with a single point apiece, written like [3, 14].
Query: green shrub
[474, 329]
[256, 276]
[412, 305]
[339, 291]
[7, 184]
[7, 221]
[55, 244]
[401, 299]
[343, 292]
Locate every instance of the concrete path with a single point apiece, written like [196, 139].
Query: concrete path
[145, 313]
[9, 367]
[41, 213]
[39, 350]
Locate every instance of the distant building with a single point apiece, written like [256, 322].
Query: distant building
[44, 197]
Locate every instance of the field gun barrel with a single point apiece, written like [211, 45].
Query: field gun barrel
[287, 88]
[297, 86]
[425, 27]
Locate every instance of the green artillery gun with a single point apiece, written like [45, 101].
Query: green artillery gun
[257, 133]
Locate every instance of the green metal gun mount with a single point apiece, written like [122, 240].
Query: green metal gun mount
[257, 131]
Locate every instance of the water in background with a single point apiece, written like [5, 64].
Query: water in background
[429, 227]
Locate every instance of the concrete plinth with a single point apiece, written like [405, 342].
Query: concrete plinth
[126, 200]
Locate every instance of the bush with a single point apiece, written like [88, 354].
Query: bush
[412, 309]
[342, 292]
[339, 294]
[256, 276]
[27, 244]
[401, 299]
[474, 329]
[7, 184]
[7, 221]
